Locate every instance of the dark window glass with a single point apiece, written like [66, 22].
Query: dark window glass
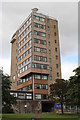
[50, 77]
[57, 74]
[56, 49]
[49, 59]
[49, 51]
[48, 35]
[56, 65]
[37, 86]
[49, 44]
[55, 33]
[54, 26]
[55, 41]
[56, 57]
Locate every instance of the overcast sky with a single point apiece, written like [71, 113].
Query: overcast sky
[13, 14]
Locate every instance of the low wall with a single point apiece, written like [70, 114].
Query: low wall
[26, 106]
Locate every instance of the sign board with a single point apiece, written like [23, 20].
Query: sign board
[57, 106]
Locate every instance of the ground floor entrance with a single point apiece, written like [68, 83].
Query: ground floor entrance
[47, 106]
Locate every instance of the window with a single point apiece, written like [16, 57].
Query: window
[43, 50]
[42, 19]
[29, 65]
[44, 96]
[47, 20]
[37, 58]
[25, 67]
[56, 49]
[55, 41]
[37, 86]
[43, 59]
[29, 87]
[36, 41]
[23, 80]
[29, 42]
[40, 66]
[44, 77]
[49, 44]
[39, 26]
[50, 77]
[14, 77]
[39, 33]
[49, 59]
[43, 42]
[57, 74]
[49, 51]
[38, 96]
[36, 17]
[37, 49]
[42, 34]
[39, 41]
[56, 65]
[48, 28]
[54, 26]
[55, 33]
[18, 74]
[19, 45]
[56, 57]
[37, 76]
[30, 50]
[50, 68]
[48, 35]
[44, 86]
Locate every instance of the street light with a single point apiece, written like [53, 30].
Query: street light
[25, 107]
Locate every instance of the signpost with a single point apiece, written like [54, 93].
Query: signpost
[57, 108]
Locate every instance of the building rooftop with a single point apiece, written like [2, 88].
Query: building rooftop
[34, 10]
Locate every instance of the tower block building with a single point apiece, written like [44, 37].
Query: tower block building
[35, 55]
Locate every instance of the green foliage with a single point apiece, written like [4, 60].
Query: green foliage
[7, 98]
[68, 91]
[59, 89]
[74, 87]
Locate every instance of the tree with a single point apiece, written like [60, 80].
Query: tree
[7, 98]
[59, 89]
[74, 88]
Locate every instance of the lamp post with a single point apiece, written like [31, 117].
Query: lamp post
[25, 107]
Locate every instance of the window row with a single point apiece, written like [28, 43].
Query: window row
[40, 58]
[42, 34]
[26, 23]
[26, 88]
[25, 46]
[49, 44]
[40, 66]
[50, 35]
[55, 56]
[39, 18]
[41, 96]
[24, 39]
[38, 41]
[57, 76]
[24, 54]
[24, 62]
[54, 26]
[25, 68]
[41, 77]
[55, 50]
[56, 67]
[39, 26]
[24, 80]
[39, 86]
[42, 50]
[23, 33]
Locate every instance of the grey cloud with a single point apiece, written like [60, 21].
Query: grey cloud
[15, 13]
